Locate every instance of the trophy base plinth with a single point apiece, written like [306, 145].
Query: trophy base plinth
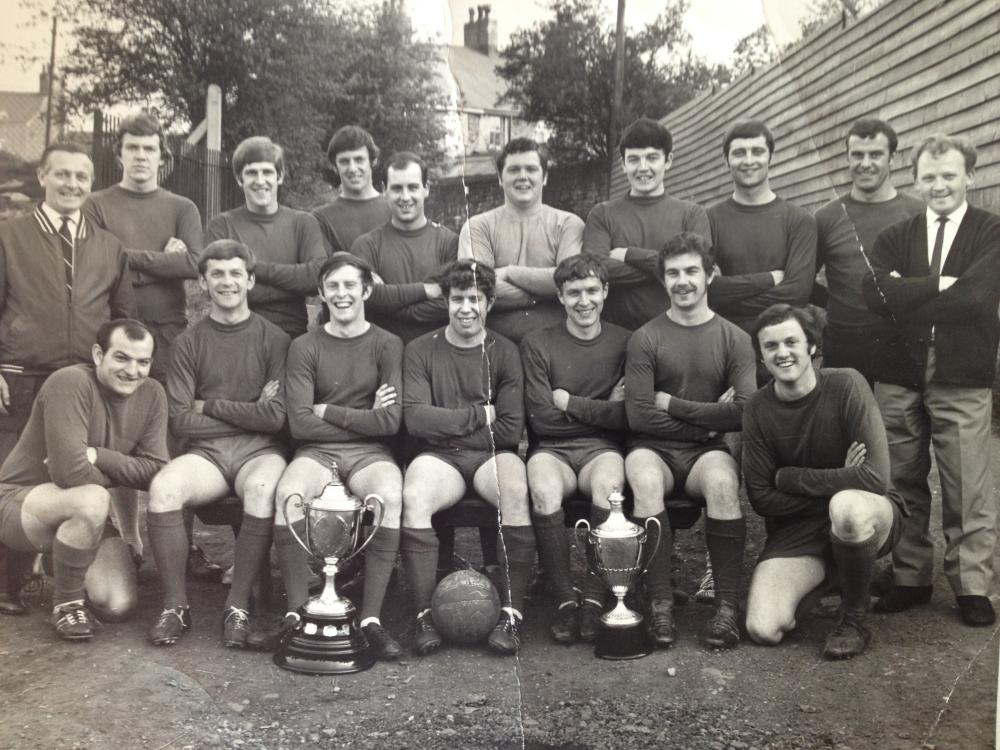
[325, 645]
[620, 643]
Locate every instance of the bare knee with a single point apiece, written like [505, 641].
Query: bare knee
[91, 504]
[722, 494]
[258, 498]
[767, 631]
[851, 517]
[165, 494]
[417, 506]
[117, 606]
[546, 497]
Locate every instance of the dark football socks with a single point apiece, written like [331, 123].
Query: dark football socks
[658, 585]
[380, 559]
[251, 548]
[553, 552]
[594, 587]
[170, 550]
[516, 550]
[294, 563]
[69, 568]
[419, 550]
[725, 541]
[855, 567]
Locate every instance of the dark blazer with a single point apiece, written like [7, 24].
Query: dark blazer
[964, 317]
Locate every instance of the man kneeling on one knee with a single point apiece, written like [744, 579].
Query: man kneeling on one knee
[816, 465]
[91, 428]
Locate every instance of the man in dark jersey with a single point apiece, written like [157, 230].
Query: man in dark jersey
[816, 466]
[628, 232]
[765, 246]
[226, 396]
[344, 397]
[358, 207]
[161, 233]
[92, 427]
[847, 227]
[574, 394]
[463, 399]
[687, 374]
[405, 253]
[286, 243]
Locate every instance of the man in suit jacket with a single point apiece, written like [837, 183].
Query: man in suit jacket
[937, 275]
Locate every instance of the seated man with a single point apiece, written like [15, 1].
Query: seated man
[91, 428]
[344, 400]
[816, 464]
[574, 393]
[463, 399]
[524, 240]
[687, 374]
[226, 399]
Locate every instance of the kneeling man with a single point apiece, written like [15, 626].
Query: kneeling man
[463, 399]
[91, 428]
[816, 465]
[225, 388]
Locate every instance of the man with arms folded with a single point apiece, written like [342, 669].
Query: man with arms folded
[523, 240]
[938, 275]
[287, 243]
[344, 397]
[687, 374]
[463, 399]
[92, 427]
[358, 207]
[574, 394]
[226, 395]
[61, 278]
[405, 253]
[632, 229]
[816, 466]
[847, 227]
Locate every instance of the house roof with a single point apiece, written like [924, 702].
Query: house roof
[18, 107]
[479, 86]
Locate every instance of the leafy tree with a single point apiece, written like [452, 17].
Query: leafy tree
[821, 12]
[560, 72]
[756, 50]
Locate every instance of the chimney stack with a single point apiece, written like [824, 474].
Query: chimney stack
[481, 30]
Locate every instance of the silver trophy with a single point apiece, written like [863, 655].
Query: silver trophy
[327, 639]
[616, 553]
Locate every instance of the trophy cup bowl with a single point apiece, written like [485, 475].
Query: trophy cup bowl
[327, 639]
[615, 551]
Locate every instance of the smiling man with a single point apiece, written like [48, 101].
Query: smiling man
[816, 466]
[286, 243]
[463, 400]
[628, 232]
[847, 227]
[574, 394]
[405, 253]
[937, 275]
[687, 374]
[524, 240]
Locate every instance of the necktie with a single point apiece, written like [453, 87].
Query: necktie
[938, 247]
[67, 247]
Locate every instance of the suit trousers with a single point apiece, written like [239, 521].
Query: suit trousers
[955, 420]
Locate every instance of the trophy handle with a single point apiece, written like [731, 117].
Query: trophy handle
[291, 527]
[578, 527]
[659, 531]
[379, 509]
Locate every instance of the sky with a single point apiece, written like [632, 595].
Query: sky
[715, 26]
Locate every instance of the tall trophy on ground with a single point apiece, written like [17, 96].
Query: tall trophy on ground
[327, 639]
[615, 552]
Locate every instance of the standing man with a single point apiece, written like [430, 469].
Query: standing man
[938, 275]
[628, 232]
[765, 246]
[405, 253]
[463, 398]
[92, 427]
[226, 395]
[358, 207]
[523, 240]
[286, 243]
[61, 278]
[816, 466]
[574, 393]
[847, 227]
[161, 233]
[687, 375]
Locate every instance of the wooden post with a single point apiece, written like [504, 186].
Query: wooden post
[51, 83]
[619, 85]
[214, 166]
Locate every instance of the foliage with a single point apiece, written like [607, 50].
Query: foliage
[821, 12]
[560, 72]
[756, 50]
